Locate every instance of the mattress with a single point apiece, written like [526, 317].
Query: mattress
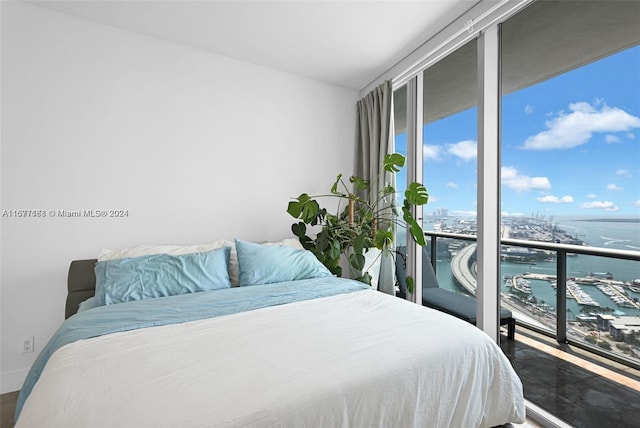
[315, 352]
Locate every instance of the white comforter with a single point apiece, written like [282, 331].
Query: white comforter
[361, 359]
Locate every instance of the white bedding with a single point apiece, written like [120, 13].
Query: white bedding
[361, 359]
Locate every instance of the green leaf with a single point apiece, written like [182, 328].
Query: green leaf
[357, 261]
[417, 233]
[361, 242]
[304, 207]
[323, 240]
[393, 162]
[299, 229]
[328, 245]
[359, 183]
[334, 268]
[389, 190]
[307, 243]
[319, 217]
[412, 225]
[295, 208]
[410, 284]
[416, 194]
[383, 239]
[334, 250]
[365, 277]
[334, 188]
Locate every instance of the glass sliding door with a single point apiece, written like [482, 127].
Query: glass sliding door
[569, 177]
[568, 160]
[450, 123]
[400, 143]
[400, 146]
[571, 126]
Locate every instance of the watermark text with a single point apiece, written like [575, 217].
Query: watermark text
[65, 213]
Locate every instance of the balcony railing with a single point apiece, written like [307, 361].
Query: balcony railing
[561, 251]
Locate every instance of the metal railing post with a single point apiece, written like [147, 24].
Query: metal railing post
[561, 297]
[434, 253]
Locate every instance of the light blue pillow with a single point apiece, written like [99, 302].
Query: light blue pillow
[161, 275]
[90, 303]
[100, 270]
[266, 264]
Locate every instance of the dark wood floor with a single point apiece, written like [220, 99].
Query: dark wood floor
[7, 409]
[571, 390]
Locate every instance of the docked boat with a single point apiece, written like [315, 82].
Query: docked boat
[601, 275]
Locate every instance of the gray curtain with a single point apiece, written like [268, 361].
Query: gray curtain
[374, 140]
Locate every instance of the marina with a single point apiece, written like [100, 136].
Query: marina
[596, 286]
[519, 284]
[601, 284]
[610, 287]
[576, 292]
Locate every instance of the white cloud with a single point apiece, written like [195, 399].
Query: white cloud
[431, 152]
[550, 199]
[466, 150]
[592, 196]
[528, 109]
[613, 186]
[512, 179]
[603, 205]
[576, 128]
[452, 185]
[611, 139]
[637, 203]
[623, 173]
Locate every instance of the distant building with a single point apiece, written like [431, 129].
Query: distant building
[603, 321]
[518, 255]
[618, 327]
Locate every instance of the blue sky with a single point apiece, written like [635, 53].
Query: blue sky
[570, 146]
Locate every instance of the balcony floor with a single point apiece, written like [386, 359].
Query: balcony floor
[576, 386]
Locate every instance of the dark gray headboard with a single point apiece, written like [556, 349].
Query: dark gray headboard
[81, 284]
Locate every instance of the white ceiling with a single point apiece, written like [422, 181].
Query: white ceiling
[346, 43]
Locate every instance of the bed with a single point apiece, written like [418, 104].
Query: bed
[257, 335]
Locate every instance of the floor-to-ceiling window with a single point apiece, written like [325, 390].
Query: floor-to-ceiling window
[400, 146]
[571, 162]
[449, 149]
[570, 175]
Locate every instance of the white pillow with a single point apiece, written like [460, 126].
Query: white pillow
[146, 250]
[291, 242]
[176, 250]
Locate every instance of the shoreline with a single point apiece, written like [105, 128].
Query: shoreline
[611, 220]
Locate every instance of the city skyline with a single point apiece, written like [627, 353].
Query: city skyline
[570, 146]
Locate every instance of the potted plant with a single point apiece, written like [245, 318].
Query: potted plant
[364, 220]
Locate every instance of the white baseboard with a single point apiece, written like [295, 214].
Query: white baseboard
[12, 381]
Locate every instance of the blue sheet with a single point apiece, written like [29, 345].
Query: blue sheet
[133, 315]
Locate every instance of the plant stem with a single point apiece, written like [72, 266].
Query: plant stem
[351, 210]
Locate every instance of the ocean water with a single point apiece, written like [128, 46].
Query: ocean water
[617, 235]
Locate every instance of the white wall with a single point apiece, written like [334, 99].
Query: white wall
[195, 146]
